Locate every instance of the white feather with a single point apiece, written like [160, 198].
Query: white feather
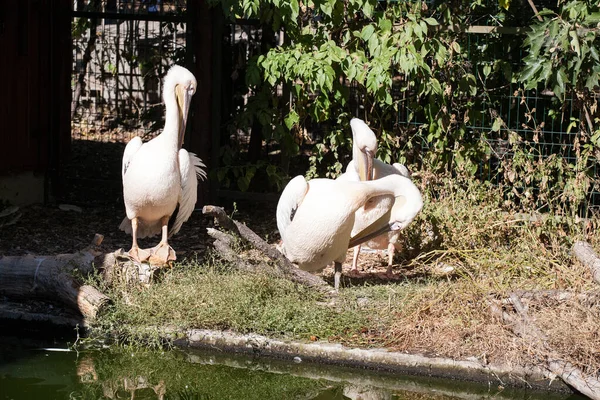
[315, 218]
[289, 201]
[366, 218]
[132, 147]
[190, 167]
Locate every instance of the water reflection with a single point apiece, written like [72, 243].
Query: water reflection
[33, 373]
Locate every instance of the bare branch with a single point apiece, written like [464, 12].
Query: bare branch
[586, 254]
[288, 269]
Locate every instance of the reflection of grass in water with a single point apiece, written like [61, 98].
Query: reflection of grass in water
[153, 371]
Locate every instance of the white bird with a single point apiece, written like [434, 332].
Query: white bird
[159, 176]
[358, 170]
[315, 218]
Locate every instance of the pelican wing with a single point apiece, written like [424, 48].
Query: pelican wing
[350, 174]
[373, 215]
[289, 201]
[132, 147]
[191, 168]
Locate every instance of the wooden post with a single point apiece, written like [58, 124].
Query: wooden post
[202, 23]
[58, 98]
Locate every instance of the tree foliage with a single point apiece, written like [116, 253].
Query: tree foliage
[377, 60]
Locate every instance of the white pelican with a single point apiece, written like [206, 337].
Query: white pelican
[315, 218]
[159, 176]
[358, 170]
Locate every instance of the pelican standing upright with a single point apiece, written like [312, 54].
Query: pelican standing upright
[159, 176]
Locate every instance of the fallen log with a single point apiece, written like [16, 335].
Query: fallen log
[223, 242]
[586, 254]
[537, 343]
[288, 270]
[50, 277]
[53, 277]
[587, 298]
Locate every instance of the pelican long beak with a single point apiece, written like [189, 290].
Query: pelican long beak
[368, 234]
[184, 98]
[365, 165]
[365, 236]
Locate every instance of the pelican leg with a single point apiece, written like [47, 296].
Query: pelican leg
[162, 253]
[354, 270]
[391, 251]
[137, 254]
[337, 268]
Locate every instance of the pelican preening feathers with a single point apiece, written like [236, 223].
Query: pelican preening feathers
[358, 170]
[315, 218]
[159, 176]
[372, 201]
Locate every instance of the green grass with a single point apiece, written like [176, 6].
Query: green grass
[208, 296]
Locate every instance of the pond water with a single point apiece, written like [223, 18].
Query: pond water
[35, 370]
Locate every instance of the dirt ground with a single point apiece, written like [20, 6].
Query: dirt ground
[57, 228]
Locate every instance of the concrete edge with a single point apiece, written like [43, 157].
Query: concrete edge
[377, 359]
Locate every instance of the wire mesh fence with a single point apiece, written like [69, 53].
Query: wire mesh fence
[547, 127]
[121, 51]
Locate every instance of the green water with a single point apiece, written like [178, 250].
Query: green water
[35, 370]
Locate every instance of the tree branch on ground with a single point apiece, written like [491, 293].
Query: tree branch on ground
[536, 343]
[588, 298]
[586, 254]
[289, 270]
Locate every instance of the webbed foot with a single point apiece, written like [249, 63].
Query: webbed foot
[139, 255]
[162, 254]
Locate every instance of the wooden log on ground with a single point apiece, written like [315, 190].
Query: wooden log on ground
[288, 269]
[537, 343]
[50, 277]
[586, 254]
[223, 242]
[53, 277]
[587, 298]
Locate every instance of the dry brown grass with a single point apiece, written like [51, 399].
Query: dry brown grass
[494, 251]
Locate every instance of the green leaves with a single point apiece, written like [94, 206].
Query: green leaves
[504, 4]
[497, 124]
[367, 32]
[292, 119]
[439, 87]
[563, 50]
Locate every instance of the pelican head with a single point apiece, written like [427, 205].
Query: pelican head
[408, 203]
[363, 149]
[182, 84]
